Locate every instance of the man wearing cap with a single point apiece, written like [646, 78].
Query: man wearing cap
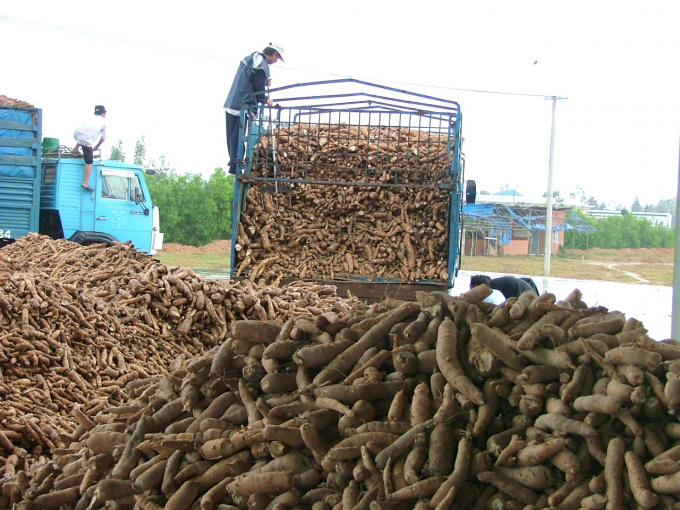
[248, 86]
[86, 135]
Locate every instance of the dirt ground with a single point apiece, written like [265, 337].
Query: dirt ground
[221, 246]
[639, 254]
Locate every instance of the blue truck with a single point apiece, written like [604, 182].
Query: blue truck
[40, 190]
[353, 184]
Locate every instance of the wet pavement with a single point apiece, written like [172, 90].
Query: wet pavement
[651, 304]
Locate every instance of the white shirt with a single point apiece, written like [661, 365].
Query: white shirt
[496, 298]
[88, 132]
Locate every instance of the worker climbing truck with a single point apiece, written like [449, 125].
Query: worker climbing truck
[40, 189]
[352, 184]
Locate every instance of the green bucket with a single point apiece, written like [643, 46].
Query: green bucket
[50, 145]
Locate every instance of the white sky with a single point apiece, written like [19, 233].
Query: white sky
[163, 70]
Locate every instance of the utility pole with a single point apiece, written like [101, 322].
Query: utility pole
[549, 206]
[675, 321]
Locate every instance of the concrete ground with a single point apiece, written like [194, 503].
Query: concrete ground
[651, 304]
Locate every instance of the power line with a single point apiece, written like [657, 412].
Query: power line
[81, 33]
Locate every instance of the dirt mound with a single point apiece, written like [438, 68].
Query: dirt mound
[219, 246]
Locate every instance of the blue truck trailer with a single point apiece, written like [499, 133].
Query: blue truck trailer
[353, 184]
[40, 191]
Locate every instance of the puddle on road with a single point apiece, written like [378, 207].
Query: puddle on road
[212, 274]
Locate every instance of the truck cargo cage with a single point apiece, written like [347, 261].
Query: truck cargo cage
[20, 162]
[363, 189]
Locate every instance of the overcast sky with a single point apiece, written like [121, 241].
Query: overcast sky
[163, 69]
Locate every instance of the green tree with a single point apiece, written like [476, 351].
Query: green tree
[636, 207]
[140, 152]
[665, 206]
[117, 152]
[621, 231]
[597, 205]
[579, 193]
[193, 211]
[557, 198]
[160, 167]
[221, 191]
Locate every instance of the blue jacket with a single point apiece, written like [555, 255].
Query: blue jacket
[252, 76]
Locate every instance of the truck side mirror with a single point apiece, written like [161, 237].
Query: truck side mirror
[470, 192]
[139, 196]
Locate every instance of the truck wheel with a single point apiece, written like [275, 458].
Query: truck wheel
[87, 238]
[5, 242]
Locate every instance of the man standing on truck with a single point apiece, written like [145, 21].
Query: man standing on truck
[252, 77]
[86, 135]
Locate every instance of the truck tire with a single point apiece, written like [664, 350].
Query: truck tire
[86, 238]
[5, 242]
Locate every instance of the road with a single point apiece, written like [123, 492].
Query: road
[651, 304]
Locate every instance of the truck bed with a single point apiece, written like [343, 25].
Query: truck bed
[365, 194]
[20, 161]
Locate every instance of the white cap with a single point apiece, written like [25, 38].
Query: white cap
[277, 48]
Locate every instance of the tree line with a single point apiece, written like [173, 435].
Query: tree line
[623, 231]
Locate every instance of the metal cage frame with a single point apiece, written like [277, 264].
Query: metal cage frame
[401, 109]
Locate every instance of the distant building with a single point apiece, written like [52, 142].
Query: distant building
[505, 229]
[656, 218]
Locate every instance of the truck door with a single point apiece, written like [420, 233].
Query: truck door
[117, 214]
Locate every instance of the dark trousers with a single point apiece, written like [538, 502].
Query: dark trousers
[233, 122]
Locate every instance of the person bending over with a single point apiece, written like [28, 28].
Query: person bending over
[509, 286]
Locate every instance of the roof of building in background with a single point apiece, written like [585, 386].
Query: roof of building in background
[506, 218]
[512, 197]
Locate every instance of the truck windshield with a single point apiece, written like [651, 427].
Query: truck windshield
[118, 187]
[115, 187]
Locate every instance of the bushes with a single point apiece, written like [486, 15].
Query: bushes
[193, 211]
[625, 231]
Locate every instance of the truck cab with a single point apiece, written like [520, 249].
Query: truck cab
[40, 190]
[119, 208]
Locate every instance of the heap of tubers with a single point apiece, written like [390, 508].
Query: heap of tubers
[323, 232]
[8, 101]
[78, 323]
[393, 225]
[353, 153]
[443, 403]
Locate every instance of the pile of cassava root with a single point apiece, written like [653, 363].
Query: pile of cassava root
[395, 225]
[78, 323]
[443, 403]
[8, 101]
[346, 153]
[326, 232]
